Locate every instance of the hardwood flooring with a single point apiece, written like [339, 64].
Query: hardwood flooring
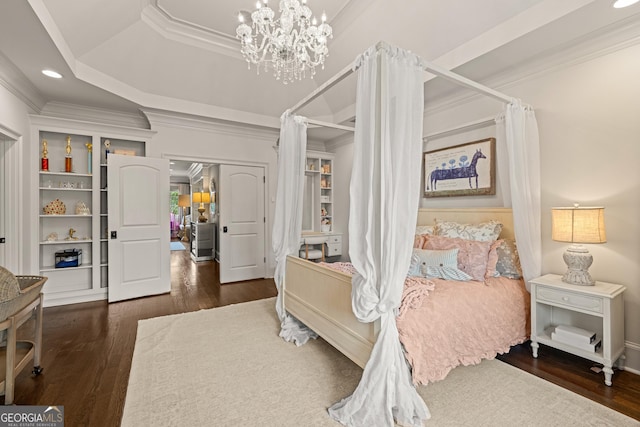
[88, 348]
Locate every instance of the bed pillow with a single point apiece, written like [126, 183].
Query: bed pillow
[483, 232]
[419, 240]
[436, 263]
[508, 262]
[424, 229]
[473, 255]
[492, 259]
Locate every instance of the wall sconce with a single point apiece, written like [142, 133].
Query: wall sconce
[578, 225]
[201, 198]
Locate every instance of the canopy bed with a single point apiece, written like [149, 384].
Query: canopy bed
[358, 313]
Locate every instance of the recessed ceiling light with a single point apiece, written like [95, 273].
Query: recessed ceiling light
[619, 4]
[52, 74]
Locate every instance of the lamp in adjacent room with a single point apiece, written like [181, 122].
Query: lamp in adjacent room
[184, 203]
[201, 198]
[578, 225]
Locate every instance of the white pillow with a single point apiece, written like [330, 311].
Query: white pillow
[483, 232]
[435, 263]
[424, 229]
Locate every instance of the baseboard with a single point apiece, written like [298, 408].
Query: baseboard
[632, 357]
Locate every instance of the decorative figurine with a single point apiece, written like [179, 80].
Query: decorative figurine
[68, 160]
[44, 160]
[89, 155]
[71, 237]
[107, 145]
[52, 237]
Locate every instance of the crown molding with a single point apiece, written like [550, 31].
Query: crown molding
[606, 40]
[95, 115]
[172, 28]
[340, 141]
[173, 119]
[12, 79]
[55, 124]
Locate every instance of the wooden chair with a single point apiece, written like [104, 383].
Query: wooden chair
[310, 249]
[20, 299]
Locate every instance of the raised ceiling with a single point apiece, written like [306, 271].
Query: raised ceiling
[182, 55]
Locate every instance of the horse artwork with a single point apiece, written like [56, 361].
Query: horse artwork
[449, 172]
[460, 172]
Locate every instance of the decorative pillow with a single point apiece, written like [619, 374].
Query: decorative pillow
[424, 229]
[508, 262]
[472, 255]
[492, 259]
[436, 263]
[419, 240]
[484, 232]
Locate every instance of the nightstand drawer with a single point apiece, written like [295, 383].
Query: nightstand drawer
[334, 249]
[584, 302]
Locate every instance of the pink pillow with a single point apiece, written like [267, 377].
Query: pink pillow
[473, 256]
[419, 241]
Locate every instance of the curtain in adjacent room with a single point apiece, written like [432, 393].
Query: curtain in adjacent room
[385, 190]
[287, 224]
[519, 153]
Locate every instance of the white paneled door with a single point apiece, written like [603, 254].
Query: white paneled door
[3, 196]
[138, 201]
[242, 223]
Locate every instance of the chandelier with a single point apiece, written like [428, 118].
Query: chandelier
[293, 44]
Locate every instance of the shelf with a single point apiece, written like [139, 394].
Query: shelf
[66, 216]
[311, 171]
[65, 189]
[65, 242]
[49, 268]
[65, 174]
[596, 356]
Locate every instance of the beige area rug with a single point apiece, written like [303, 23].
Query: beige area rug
[228, 367]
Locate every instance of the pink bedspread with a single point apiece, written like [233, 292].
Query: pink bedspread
[444, 324]
[461, 323]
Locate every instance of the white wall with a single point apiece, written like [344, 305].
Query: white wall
[590, 145]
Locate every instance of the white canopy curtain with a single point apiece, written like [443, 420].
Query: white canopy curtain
[385, 188]
[519, 153]
[287, 224]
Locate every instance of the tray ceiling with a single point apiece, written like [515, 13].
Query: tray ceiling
[182, 55]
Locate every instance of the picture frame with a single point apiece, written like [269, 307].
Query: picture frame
[462, 170]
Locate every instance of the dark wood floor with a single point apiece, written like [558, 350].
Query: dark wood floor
[88, 348]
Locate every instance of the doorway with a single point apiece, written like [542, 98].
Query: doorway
[204, 176]
[11, 186]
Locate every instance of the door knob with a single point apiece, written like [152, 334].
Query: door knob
[224, 229]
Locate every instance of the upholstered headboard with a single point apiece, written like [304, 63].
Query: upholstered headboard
[427, 216]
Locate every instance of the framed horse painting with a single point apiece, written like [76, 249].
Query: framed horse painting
[462, 170]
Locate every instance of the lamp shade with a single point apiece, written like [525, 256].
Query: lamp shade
[183, 200]
[201, 198]
[578, 225]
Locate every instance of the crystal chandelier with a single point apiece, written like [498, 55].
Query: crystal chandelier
[293, 44]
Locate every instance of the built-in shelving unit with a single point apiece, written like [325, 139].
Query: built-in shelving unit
[318, 205]
[80, 229]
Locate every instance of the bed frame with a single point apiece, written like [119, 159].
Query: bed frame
[321, 297]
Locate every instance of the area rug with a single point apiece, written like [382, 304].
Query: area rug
[228, 367]
[177, 246]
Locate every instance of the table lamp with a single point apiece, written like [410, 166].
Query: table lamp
[578, 225]
[184, 203]
[201, 198]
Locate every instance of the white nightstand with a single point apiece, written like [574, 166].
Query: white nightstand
[598, 308]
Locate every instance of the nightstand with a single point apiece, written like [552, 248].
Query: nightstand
[598, 308]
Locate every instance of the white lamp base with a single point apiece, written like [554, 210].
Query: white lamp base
[578, 260]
